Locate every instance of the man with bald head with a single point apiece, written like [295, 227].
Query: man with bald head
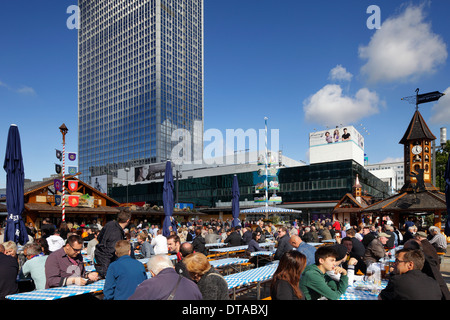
[303, 247]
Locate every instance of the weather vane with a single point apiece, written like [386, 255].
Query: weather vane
[423, 98]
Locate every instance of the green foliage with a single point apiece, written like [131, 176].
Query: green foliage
[441, 163]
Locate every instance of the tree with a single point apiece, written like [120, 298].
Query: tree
[441, 163]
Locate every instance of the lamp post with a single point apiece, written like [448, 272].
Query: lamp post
[126, 170]
[63, 129]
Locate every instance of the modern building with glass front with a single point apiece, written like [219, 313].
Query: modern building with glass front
[140, 77]
[314, 189]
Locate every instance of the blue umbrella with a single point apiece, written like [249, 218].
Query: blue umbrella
[15, 227]
[235, 202]
[168, 201]
[447, 197]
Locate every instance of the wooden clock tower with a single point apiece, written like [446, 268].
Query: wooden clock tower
[417, 156]
[418, 196]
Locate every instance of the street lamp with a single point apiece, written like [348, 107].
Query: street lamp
[126, 170]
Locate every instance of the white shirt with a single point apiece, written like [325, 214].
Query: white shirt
[159, 244]
[55, 243]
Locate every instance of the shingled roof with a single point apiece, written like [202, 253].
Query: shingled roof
[410, 202]
[417, 129]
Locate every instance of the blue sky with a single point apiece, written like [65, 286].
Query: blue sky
[303, 64]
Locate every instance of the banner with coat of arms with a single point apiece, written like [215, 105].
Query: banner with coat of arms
[74, 200]
[72, 156]
[57, 184]
[73, 185]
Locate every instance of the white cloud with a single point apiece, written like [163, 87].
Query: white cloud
[441, 110]
[340, 73]
[403, 49]
[26, 90]
[329, 106]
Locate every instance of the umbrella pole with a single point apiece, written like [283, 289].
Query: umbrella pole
[265, 159]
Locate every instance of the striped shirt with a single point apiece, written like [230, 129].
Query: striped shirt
[440, 241]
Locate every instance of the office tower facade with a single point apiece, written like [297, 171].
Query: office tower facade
[140, 77]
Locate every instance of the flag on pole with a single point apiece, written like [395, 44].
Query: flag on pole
[428, 97]
[73, 185]
[73, 170]
[57, 184]
[74, 200]
[59, 154]
[72, 156]
[58, 168]
[57, 199]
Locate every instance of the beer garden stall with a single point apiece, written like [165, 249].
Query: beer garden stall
[83, 202]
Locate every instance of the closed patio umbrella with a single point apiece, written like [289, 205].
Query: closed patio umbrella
[235, 202]
[168, 201]
[15, 227]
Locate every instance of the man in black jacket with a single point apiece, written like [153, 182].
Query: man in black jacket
[105, 249]
[234, 239]
[409, 282]
[283, 243]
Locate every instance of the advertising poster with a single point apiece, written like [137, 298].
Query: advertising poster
[337, 135]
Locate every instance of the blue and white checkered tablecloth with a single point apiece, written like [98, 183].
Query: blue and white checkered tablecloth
[229, 249]
[262, 253]
[266, 244]
[235, 282]
[215, 244]
[58, 293]
[315, 244]
[255, 275]
[145, 260]
[227, 262]
[360, 290]
[239, 248]
[61, 292]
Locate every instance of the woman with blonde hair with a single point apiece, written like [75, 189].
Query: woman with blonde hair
[210, 283]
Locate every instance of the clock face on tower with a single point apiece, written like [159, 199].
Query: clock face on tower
[416, 149]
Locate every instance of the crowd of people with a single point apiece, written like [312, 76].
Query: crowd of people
[52, 258]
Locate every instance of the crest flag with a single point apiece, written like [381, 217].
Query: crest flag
[59, 155]
[74, 200]
[72, 156]
[73, 185]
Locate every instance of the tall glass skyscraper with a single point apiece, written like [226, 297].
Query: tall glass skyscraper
[140, 77]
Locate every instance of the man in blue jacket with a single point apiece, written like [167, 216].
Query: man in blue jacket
[124, 274]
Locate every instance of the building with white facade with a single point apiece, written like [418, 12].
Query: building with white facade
[390, 172]
[340, 143]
